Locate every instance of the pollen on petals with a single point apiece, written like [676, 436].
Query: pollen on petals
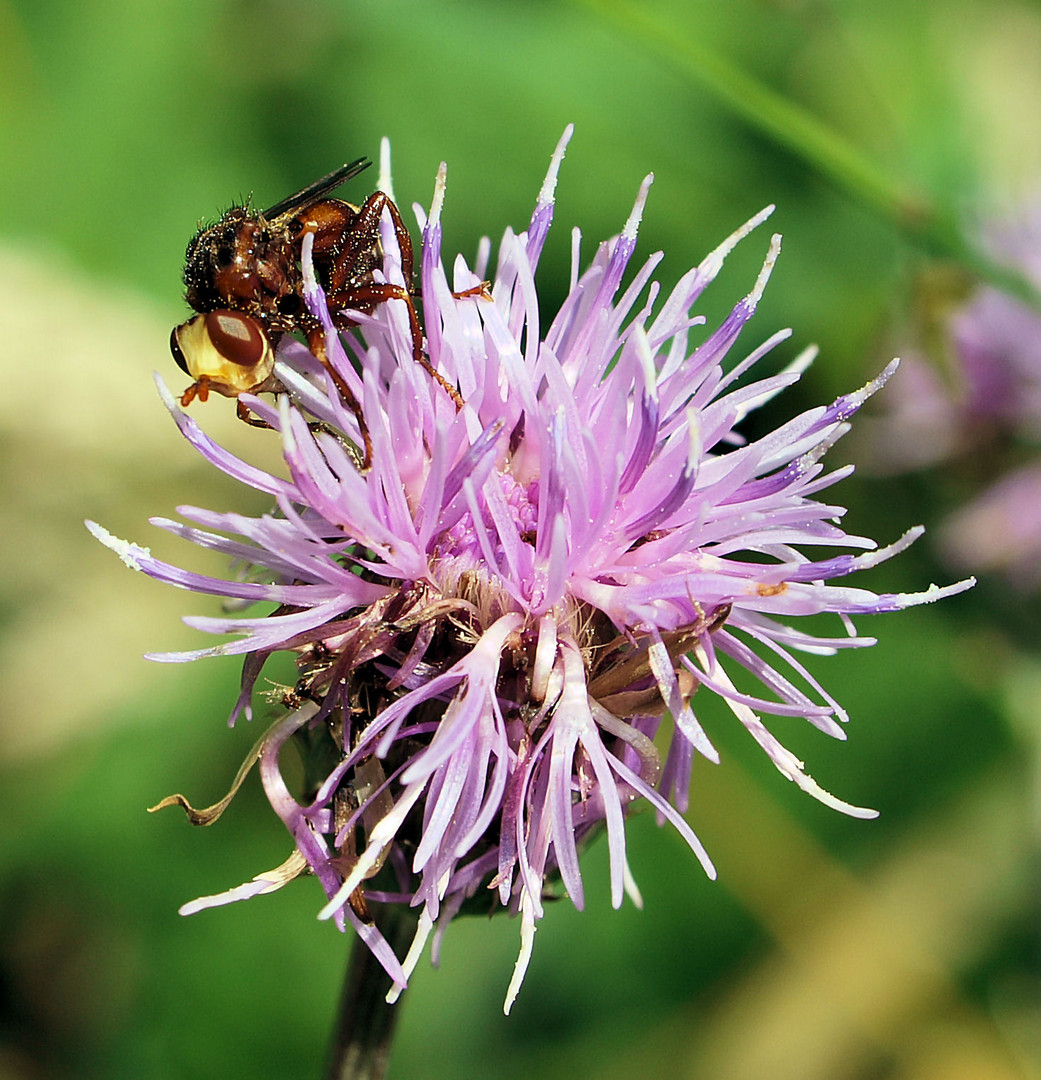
[132, 555]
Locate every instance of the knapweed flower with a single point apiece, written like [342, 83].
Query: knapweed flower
[972, 402]
[492, 621]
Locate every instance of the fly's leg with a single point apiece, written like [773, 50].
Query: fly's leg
[366, 297]
[316, 343]
[351, 286]
[364, 234]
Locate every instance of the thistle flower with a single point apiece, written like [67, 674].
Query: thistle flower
[492, 621]
[981, 414]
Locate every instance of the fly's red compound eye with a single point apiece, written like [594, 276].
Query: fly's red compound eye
[237, 337]
[225, 351]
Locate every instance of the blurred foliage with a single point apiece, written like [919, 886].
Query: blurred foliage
[829, 948]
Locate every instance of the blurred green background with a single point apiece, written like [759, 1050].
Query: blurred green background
[903, 948]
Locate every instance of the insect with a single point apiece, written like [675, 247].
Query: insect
[243, 278]
[369, 793]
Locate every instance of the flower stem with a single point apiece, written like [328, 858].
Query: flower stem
[365, 1023]
[823, 148]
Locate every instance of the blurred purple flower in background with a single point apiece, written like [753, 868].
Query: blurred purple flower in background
[979, 409]
[492, 621]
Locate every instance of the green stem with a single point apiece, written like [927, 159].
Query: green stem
[365, 1023]
[803, 134]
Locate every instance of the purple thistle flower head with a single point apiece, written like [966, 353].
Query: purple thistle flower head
[972, 402]
[492, 621]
